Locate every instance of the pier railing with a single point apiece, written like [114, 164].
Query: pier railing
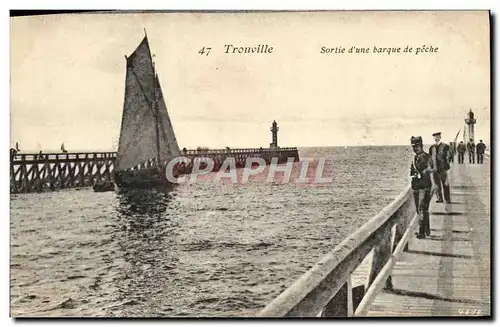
[326, 289]
[43, 157]
[241, 155]
[33, 158]
[233, 151]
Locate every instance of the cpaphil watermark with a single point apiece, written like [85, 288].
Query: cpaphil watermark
[182, 170]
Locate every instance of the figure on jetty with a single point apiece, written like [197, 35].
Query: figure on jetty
[14, 151]
[471, 148]
[439, 153]
[480, 148]
[63, 149]
[421, 184]
[461, 152]
[453, 151]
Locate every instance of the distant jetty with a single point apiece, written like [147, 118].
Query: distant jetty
[34, 172]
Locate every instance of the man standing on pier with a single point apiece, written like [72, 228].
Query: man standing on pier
[461, 152]
[439, 153]
[421, 184]
[453, 150]
[471, 147]
[480, 148]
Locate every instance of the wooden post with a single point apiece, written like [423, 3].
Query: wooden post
[13, 182]
[60, 170]
[381, 253]
[26, 182]
[72, 178]
[37, 180]
[78, 178]
[98, 169]
[50, 177]
[409, 213]
[338, 305]
[401, 224]
[91, 171]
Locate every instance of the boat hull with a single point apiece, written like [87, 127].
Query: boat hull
[104, 187]
[141, 178]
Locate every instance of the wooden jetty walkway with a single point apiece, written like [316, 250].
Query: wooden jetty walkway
[384, 270]
[447, 274]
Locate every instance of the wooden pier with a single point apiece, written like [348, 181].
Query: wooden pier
[384, 270]
[447, 274]
[51, 171]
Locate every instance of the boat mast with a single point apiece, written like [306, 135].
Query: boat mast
[156, 112]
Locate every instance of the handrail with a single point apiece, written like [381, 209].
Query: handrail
[232, 151]
[41, 157]
[317, 290]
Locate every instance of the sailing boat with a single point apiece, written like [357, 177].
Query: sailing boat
[147, 139]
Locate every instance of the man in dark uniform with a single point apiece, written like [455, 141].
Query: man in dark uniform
[480, 148]
[471, 147]
[453, 149]
[439, 153]
[461, 152]
[421, 184]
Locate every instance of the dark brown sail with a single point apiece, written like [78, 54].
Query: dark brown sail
[146, 133]
[169, 147]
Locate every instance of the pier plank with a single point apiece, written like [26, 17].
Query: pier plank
[447, 274]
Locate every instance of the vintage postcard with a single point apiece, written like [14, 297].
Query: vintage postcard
[250, 164]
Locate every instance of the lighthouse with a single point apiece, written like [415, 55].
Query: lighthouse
[470, 121]
[274, 130]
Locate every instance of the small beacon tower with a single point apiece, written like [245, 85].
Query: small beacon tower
[274, 130]
[470, 121]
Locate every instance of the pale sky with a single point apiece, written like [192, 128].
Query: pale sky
[68, 74]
